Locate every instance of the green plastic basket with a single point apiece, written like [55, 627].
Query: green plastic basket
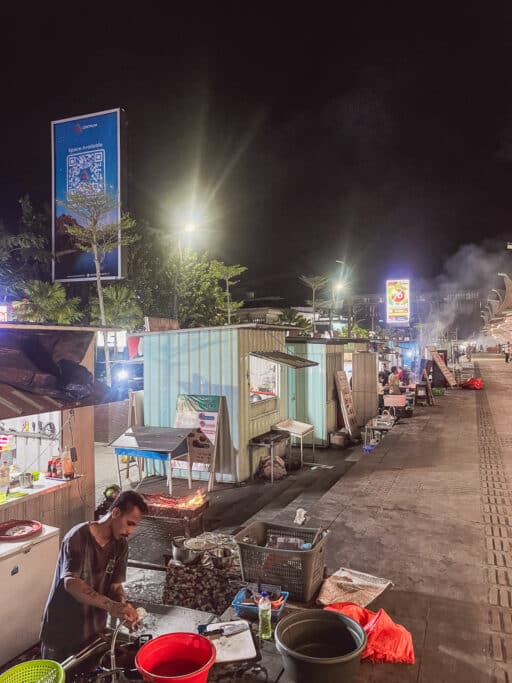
[35, 671]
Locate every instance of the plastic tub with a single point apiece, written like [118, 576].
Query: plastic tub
[176, 657]
[251, 611]
[321, 646]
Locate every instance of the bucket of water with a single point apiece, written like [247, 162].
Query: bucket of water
[176, 658]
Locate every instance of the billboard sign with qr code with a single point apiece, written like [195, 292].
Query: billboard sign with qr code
[85, 159]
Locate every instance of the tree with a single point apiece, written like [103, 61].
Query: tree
[19, 257]
[227, 274]
[95, 233]
[121, 305]
[355, 331]
[147, 270]
[200, 299]
[316, 283]
[290, 316]
[46, 302]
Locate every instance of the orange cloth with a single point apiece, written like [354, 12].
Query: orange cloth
[386, 641]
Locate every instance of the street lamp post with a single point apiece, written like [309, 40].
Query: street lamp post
[187, 230]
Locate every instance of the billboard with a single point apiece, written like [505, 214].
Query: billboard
[85, 159]
[398, 302]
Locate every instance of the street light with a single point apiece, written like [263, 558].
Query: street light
[188, 229]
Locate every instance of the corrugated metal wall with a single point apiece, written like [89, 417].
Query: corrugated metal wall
[257, 418]
[312, 392]
[202, 361]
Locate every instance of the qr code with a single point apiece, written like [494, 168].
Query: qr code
[86, 172]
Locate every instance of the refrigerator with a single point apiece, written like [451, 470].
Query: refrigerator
[26, 573]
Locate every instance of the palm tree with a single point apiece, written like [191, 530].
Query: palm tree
[290, 316]
[45, 302]
[316, 283]
[121, 308]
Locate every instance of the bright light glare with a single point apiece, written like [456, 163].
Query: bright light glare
[190, 227]
[339, 286]
[122, 374]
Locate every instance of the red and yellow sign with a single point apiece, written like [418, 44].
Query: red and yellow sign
[398, 302]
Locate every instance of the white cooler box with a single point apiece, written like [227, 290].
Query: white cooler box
[26, 573]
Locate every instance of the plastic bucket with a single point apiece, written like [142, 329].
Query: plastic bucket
[176, 657]
[321, 646]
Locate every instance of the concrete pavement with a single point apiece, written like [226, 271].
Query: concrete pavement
[430, 509]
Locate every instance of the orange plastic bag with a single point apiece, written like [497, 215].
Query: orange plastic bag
[386, 641]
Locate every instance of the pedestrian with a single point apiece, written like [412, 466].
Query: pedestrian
[507, 352]
[88, 581]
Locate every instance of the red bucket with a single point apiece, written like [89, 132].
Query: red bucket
[176, 657]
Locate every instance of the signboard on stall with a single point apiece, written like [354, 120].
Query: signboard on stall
[398, 302]
[347, 404]
[86, 160]
[200, 413]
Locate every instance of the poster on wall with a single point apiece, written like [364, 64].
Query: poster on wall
[85, 160]
[202, 414]
[398, 302]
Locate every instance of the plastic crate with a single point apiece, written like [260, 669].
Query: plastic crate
[251, 611]
[299, 572]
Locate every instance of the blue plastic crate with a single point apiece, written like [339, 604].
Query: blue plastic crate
[251, 611]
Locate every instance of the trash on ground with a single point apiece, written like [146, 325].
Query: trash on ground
[300, 516]
[348, 584]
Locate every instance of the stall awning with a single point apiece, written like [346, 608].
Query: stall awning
[295, 362]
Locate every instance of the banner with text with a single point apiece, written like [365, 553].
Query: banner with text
[85, 160]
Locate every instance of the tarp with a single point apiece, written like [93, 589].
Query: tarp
[46, 364]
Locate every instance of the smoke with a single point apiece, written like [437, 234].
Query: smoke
[467, 280]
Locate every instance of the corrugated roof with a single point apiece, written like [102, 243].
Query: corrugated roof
[288, 359]
[18, 403]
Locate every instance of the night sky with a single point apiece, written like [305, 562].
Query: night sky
[379, 133]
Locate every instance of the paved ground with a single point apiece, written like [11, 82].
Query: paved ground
[429, 509]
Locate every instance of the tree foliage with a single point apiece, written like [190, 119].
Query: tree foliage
[290, 316]
[201, 301]
[46, 302]
[147, 271]
[227, 275]
[122, 308]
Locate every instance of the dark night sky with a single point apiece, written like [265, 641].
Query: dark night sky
[379, 133]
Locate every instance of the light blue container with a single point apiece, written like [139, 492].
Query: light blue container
[213, 361]
[312, 394]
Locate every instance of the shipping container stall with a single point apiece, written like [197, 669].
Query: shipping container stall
[312, 396]
[244, 364]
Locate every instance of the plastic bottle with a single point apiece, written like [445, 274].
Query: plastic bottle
[264, 617]
[5, 477]
[67, 465]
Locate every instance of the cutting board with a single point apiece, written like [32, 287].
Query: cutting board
[237, 648]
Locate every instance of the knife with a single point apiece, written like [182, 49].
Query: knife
[228, 630]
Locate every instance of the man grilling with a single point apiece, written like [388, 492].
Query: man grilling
[87, 585]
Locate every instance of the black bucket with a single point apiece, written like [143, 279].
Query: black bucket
[320, 645]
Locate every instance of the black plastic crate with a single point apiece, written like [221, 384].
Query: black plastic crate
[300, 572]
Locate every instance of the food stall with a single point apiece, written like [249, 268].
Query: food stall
[47, 392]
[312, 391]
[244, 364]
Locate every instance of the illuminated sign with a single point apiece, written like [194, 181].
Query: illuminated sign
[398, 302]
[85, 160]
[3, 314]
